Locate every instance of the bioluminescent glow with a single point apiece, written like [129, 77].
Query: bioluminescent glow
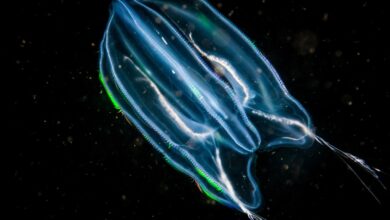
[202, 94]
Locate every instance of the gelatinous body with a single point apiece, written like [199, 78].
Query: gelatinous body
[201, 93]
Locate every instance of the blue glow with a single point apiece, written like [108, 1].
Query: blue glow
[201, 93]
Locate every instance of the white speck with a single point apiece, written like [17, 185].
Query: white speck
[173, 71]
[163, 39]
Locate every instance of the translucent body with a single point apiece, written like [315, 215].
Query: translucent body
[200, 93]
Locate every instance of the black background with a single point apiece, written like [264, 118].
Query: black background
[74, 157]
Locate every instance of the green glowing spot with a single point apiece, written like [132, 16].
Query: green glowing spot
[196, 92]
[208, 194]
[110, 96]
[210, 181]
[253, 43]
[170, 162]
[169, 146]
[147, 138]
[205, 22]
